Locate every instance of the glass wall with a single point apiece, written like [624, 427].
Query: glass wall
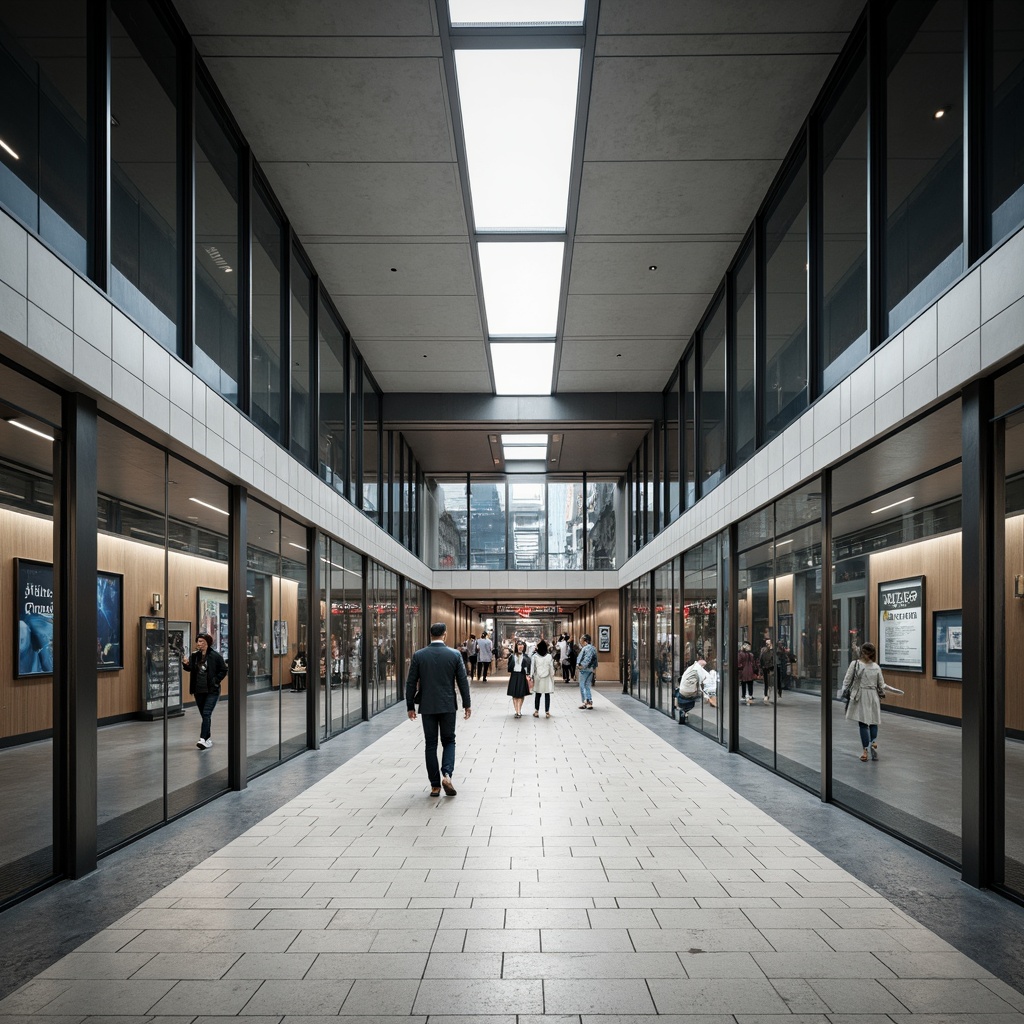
[786, 389]
[565, 524]
[371, 448]
[712, 447]
[687, 428]
[44, 170]
[414, 629]
[333, 415]
[602, 533]
[26, 677]
[744, 415]
[341, 636]
[267, 334]
[488, 524]
[671, 453]
[844, 219]
[700, 628]
[1004, 121]
[924, 154]
[452, 525]
[902, 546]
[382, 605]
[217, 358]
[527, 523]
[301, 361]
[664, 638]
[145, 273]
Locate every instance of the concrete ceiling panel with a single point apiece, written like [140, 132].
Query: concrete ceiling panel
[304, 108]
[699, 197]
[616, 354]
[602, 267]
[716, 107]
[420, 268]
[633, 316]
[311, 17]
[700, 17]
[429, 355]
[412, 316]
[612, 380]
[368, 199]
[415, 380]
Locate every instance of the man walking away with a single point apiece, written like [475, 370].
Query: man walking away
[434, 672]
[484, 654]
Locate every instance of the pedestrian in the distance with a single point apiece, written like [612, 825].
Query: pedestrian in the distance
[206, 669]
[518, 677]
[434, 672]
[543, 670]
[587, 665]
[866, 688]
[484, 654]
[747, 665]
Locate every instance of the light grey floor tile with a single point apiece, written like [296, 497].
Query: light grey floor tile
[582, 940]
[98, 997]
[263, 966]
[856, 995]
[464, 965]
[299, 997]
[707, 940]
[484, 996]
[720, 965]
[821, 965]
[398, 940]
[367, 966]
[192, 966]
[936, 995]
[84, 966]
[592, 965]
[701, 995]
[370, 997]
[518, 917]
[932, 965]
[520, 940]
[597, 995]
[34, 996]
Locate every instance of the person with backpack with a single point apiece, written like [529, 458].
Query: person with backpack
[587, 665]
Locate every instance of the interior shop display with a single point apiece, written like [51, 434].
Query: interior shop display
[109, 621]
[161, 674]
[947, 645]
[280, 636]
[212, 614]
[901, 624]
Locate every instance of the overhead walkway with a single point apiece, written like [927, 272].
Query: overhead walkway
[587, 868]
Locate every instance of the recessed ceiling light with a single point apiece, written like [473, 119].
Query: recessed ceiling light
[902, 501]
[212, 508]
[9, 150]
[940, 113]
[652, 267]
[394, 270]
[30, 430]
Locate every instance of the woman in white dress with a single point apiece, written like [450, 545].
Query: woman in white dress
[543, 667]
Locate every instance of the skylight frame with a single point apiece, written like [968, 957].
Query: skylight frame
[511, 13]
[522, 367]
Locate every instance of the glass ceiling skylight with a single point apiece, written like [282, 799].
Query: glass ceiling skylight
[524, 439]
[524, 446]
[516, 12]
[521, 281]
[522, 368]
[518, 120]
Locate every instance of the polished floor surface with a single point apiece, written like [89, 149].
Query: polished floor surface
[587, 867]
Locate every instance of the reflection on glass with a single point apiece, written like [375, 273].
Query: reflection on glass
[700, 625]
[1004, 123]
[43, 154]
[267, 249]
[924, 154]
[664, 638]
[371, 448]
[689, 429]
[452, 523]
[526, 523]
[844, 309]
[602, 537]
[333, 422]
[744, 418]
[712, 399]
[302, 362]
[355, 434]
[785, 241]
[382, 598]
[565, 524]
[487, 514]
[144, 206]
[217, 356]
[671, 454]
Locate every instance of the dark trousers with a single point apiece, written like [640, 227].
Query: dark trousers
[746, 689]
[547, 701]
[206, 702]
[483, 666]
[434, 726]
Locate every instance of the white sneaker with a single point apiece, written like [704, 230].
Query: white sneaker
[201, 743]
[208, 744]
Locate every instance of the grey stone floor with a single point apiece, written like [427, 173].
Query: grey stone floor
[587, 868]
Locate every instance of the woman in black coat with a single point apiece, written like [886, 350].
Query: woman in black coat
[518, 676]
[206, 669]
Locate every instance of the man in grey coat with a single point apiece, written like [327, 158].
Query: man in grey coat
[433, 674]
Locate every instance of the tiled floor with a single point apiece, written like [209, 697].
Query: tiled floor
[586, 868]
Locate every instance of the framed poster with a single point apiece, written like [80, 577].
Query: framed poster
[604, 638]
[901, 624]
[212, 616]
[152, 651]
[33, 618]
[948, 645]
[109, 621]
[280, 636]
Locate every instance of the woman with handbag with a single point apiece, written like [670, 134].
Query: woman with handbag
[543, 669]
[864, 688]
[518, 676]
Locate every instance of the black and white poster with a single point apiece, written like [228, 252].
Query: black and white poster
[901, 624]
[33, 614]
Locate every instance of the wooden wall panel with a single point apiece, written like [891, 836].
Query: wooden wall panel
[938, 560]
[26, 705]
[606, 613]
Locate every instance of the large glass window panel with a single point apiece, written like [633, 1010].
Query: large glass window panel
[712, 445]
[527, 531]
[302, 362]
[844, 252]
[218, 342]
[671, 453]
[664, 639]
[295, 612]
[144, 204]
[744, 414]
[603, 498]
[355, 433]
[382, 598]
[414, 629]
[452, 525]
[333, 416]
[342, 598]
[1004, 123]
[688, 432]
[267, 354]
[700, 629]
[924, 154]
[565, 524]
[785, 347]
[197, 571]
[487, 523]
[44, 172]
[26, 677]
[371, 448]
[910, 530]
[347, 624]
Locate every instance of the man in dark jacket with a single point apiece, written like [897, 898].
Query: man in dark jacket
[433, 674]
[206, 669]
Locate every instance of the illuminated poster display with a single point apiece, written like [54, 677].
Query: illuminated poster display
[901, 624]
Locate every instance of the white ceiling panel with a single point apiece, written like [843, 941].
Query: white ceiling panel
[633, 316]
[405, 355]
[611, 380]
[420, 268]
[414, 380]
[614, 354]
[601, 267]
[412, 316]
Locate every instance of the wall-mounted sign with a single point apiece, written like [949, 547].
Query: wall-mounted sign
[901, 624]
[604, 638]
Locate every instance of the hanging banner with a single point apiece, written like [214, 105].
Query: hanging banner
[901, 624]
